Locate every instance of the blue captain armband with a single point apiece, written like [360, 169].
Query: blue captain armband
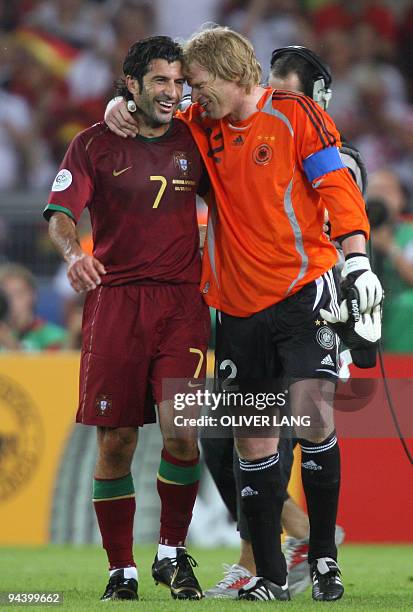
[322, 162]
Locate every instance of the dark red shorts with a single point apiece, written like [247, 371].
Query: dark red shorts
[134, 337]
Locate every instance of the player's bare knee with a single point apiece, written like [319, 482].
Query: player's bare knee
[117, 445]
[317, 435]
[182, 448]
[256, 448]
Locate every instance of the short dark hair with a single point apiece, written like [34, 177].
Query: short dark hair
[292, 62]
[139, 57]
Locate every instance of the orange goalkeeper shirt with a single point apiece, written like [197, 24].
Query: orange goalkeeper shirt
[273, 175]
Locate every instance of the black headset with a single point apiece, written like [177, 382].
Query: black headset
[322, 81]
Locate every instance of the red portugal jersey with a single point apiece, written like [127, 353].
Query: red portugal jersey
[141, 196]
[273, 175]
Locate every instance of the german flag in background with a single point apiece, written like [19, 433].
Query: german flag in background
[54, 53]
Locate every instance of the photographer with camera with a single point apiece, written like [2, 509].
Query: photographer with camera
[392, 240]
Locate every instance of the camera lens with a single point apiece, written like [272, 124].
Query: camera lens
[4, 306]
[377, 212]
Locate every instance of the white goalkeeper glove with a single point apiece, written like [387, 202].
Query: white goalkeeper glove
[359, 320]
[364, 332]
[361, 288]
[361, 336]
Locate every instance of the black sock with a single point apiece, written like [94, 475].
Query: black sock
[320, 473]
[262, 498]
[218, 455]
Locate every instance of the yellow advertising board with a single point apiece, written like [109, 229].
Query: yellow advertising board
[38, 401]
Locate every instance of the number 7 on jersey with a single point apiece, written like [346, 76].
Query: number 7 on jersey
[162, 188]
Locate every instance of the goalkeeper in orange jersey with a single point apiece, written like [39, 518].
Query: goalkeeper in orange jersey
[297, 69]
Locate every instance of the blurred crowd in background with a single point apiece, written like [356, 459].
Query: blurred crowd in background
[59, 60]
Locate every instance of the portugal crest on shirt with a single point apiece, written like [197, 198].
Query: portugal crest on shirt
[103, 405]
[182, 163]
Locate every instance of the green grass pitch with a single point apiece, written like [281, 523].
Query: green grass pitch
[375, 578]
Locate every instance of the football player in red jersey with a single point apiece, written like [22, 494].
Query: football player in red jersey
[144, 318]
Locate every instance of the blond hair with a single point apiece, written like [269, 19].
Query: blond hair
[15, 270]
[225, 54]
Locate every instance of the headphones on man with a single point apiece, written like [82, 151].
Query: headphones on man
[321, 82]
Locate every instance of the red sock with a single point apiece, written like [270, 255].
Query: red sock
[177, 485]
[114, 502]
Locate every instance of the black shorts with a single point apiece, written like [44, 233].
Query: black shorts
[285, 342]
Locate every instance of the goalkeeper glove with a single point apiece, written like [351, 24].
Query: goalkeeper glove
[361, 336]
[359, 321]
[361, 288]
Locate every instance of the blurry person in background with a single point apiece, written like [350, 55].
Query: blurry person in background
[392, 239]
[370, 101]
[84, 24]
[370, 51]
[268, 24]
[384, 120]
[339, 54]
[51, 74]
[23, 157]
[179, 18]
[131, 20]
[14, 124]
[20, 328]
[344, 14]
